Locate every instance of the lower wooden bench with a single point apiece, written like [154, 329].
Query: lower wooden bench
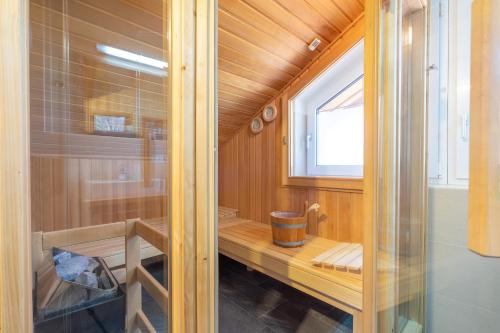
[243, 240]
[106, 241]
[251, 244]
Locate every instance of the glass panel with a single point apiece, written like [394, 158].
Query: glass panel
[402, 197]
[98, 77]
[430, 277]
[462, 275]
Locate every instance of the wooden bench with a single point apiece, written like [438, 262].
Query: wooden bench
[243, 240]
[106, 241]
[251, 243]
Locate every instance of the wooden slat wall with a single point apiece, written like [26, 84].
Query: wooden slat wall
[71, 81]
[249, 181]
[263, 45]
[66, 193]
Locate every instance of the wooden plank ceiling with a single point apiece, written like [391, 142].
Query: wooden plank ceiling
[263, 45]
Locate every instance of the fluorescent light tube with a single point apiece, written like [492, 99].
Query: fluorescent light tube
[134, 57]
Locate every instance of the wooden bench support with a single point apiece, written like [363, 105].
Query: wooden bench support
[143, 323]
[151, 234]
[132, 261]
[137, 275]
[154, 288]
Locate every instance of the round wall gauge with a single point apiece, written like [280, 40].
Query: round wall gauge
[256, 125]
[269, 113]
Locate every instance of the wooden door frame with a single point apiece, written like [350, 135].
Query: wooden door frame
[15, 214]
[193, 251]
[370, 189]
[192, 151]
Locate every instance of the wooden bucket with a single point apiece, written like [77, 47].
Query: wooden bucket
[289, 228]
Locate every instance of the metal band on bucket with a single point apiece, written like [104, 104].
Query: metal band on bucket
[288, 244]
[288, 226]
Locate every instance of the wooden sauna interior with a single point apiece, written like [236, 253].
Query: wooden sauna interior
[86, 179]
[255, 70]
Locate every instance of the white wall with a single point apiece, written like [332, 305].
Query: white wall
[464, 288]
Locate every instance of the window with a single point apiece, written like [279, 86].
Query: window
[449, 92]
[326, 125]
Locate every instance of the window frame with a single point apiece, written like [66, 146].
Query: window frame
[449, 94]
[335, 51]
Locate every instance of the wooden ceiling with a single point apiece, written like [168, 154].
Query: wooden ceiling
[263, 45]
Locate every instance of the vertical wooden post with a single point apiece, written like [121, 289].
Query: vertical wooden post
[484, 180]
[15, 222]
[192, 166]
[177, 76]
[205, 141]
[370, 171]
[132, 260]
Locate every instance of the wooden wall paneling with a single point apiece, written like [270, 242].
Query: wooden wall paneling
[66, 196]
[243, 176]
[269, 174]
[265, 177]
[73, 193]
[59, 193]
[345, 218]
[242, 59]
[46, 186]
[357, 218]
[286, 19]
[232, 41]
[329, 207]
[314, 222]
[313, 18]
[85, 192]
[350, 8]
[253, 17]
[97, 209]
[261, 39]
[154, 7]
[249, 94]
[248, 169]
[336, 17]
[229, 65]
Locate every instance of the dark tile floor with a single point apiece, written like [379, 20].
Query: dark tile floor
[254, 302]
[248, 302]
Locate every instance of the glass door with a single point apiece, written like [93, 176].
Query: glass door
[402, 191]
[119, 162]
[437, 239]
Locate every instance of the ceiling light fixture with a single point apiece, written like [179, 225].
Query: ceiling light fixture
[130, 56]
[314, 44]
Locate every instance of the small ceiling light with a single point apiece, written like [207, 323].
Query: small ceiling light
[314, 44]
[134, 57]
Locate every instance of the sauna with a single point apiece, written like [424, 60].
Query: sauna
[249, 166]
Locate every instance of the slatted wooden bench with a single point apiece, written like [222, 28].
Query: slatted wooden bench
[243, 240]
[251, 243]
[106, 241]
